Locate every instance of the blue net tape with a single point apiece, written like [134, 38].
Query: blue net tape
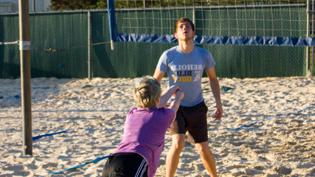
[35, 138]
[221, 40]
[96, 160]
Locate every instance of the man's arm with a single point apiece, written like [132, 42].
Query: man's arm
[215, 87]
[158, 75]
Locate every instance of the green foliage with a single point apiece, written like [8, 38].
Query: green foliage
[101, 4]
[73, 4]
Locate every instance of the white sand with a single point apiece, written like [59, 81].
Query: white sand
[268, 127]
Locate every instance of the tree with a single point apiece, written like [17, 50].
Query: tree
[101, 4]
[73, 4]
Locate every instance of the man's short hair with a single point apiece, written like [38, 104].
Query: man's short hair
[184, 19]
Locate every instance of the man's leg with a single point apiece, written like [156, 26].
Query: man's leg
[173, 155]
[207, 158]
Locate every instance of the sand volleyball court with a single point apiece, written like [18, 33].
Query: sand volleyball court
[268, 128]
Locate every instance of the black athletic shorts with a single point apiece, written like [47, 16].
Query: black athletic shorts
[126, 165]
[192, 119]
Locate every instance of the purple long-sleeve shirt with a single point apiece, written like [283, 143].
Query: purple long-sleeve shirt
[144, 133]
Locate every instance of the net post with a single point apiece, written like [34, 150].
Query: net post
[26, 100]
[307, 51]
[111, 22]
[312, 30]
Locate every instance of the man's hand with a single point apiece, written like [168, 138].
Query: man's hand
[218, 113]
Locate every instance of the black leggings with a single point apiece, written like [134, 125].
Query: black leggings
[126, 165]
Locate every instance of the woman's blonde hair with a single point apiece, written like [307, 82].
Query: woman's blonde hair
[147, 91]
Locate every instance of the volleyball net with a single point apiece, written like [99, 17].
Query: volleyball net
[218, 22]
[239, 33]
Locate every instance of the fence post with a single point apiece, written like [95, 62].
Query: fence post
[111, 22]
[194, 13]
[90, 76]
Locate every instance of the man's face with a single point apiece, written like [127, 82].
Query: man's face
[184, 31]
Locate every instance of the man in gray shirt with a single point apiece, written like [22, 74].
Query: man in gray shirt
[184, 65]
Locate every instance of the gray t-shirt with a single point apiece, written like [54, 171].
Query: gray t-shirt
[185, 70]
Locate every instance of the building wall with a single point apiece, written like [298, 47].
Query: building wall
[8, 6]
[12, 6]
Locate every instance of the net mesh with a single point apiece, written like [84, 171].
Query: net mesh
[281, 18]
